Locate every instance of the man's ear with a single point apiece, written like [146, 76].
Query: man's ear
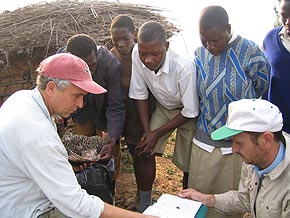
[50, 88]
[135, 36]
[268, 138]
[229, 29]
[167, 45]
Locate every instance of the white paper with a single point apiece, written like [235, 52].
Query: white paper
[171, 206]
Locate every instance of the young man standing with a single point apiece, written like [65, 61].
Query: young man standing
[123, 35]
[171, 79]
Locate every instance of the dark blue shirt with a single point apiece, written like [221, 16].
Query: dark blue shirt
[279, 89]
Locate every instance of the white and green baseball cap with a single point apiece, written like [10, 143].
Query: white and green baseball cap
[251, 115]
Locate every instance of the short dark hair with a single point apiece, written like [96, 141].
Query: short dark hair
[151, 31]
[278, 136]
[123, 20]
[213, 16]
[81, 45]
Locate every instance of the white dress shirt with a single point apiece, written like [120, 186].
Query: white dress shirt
[173, 86]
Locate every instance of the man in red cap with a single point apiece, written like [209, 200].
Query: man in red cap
[36, 179]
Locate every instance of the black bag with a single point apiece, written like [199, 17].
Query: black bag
[96, 181]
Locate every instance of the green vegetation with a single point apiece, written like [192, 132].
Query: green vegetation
[170, 170]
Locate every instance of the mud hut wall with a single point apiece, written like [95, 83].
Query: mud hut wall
[14, 76]
[18, 71]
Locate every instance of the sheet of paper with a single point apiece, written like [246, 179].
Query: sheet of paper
[171, 206]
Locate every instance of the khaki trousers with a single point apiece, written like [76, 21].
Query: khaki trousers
[214, 173]
[184, 135]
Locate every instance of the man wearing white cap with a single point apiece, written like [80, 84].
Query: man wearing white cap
[36, 179]
[255, 126]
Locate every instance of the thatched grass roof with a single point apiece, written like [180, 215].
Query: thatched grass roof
[50, 24]
[31, 33]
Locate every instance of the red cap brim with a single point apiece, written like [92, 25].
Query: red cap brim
[90, 86]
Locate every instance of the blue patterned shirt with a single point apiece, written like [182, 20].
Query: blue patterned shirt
[240, 71]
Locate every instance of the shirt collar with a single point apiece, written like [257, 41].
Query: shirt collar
[39, 100]
[165, 65]
[283, 34]
[234, 36]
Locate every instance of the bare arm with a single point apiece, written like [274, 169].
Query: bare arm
[142, 106]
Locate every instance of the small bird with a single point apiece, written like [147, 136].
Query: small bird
[82, 148]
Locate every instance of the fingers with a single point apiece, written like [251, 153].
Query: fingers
[77, 168]
[106, 153]
[144, 149]
[185, 193]
[140, 151]
[105, 157]
[142, 139]
[82, 166]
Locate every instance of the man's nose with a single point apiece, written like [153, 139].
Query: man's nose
[287, 21]
[235, 148]
[80, 102]
[209, 45]
[149, 59]
[121, 43]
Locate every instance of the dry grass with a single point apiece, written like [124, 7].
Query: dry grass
[50, 24]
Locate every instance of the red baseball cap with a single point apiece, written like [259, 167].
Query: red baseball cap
[69, 67]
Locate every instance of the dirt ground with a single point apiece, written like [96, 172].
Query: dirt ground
[168, 177]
